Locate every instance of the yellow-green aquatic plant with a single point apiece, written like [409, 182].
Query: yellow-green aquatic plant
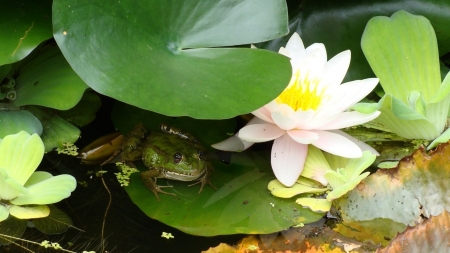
[24, 192]
[402, 51]
[339, 174]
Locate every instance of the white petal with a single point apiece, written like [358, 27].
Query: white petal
[282, 121]
[302, 136]
[260, 132]
[302, 117]
[348, 119]
[288, 158]
[320, 51]
[295, 47]
[336, 144]
[312, 66]
[351, 93]
[335, 69]
[362, 145]
[263, 113]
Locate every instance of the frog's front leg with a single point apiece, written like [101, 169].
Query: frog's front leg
[205, 179]
[149, 178]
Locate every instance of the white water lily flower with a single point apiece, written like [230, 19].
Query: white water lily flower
[311, 110]
[24, 193]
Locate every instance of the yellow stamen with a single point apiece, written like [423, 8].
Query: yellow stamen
[301, 94]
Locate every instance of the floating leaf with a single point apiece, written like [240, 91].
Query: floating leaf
[429, 236]
[376, 231]
[45, 78]
[416, 187]
[29, 212]
[165, 55]
[13, 122]
[55, 223]
[241, 203]
[84, 112]
[56, 130]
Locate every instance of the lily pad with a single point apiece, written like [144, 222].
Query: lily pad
[84, 112]
[45, 78]
[416, 188]
[24, 24]
[241, 203]
[165, 55]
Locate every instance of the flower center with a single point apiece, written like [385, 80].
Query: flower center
[301, 94]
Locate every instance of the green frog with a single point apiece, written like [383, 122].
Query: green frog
[171, 154]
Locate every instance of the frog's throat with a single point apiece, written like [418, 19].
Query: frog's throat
[180, 176]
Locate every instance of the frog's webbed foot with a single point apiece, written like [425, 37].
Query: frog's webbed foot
[150, 183]
[205, 179]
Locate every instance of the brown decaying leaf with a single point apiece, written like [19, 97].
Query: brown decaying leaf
[432, 235]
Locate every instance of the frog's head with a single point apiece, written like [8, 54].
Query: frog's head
[175, 158]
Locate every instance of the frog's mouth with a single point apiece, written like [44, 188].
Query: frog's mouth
[181, 176]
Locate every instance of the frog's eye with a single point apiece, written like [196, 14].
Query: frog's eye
[177, 157]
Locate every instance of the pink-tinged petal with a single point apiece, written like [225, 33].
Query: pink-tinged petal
[272, 106]
[282, 121]
[234, 143]
[335, 69]
[302, 136]
[295, 47]
[302, 117]
[319, 120]
[351, 93]
[362, 145]
[288, 158]
[337, 144]
[263, 114]
[348, 119]
[260, 132]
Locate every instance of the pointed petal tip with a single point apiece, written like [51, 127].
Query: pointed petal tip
[233, 144]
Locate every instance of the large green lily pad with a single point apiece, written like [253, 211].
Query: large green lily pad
[241, 203]
[23, 25]
[164, 55]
